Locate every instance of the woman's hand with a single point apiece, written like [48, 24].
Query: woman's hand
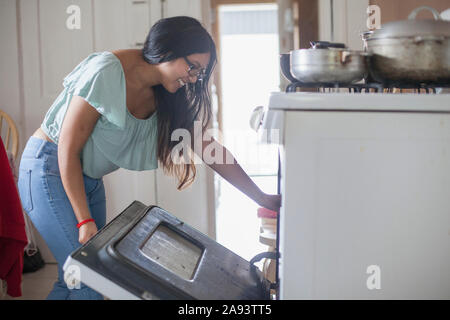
[270, 201]
[87, 231]
[229, 169]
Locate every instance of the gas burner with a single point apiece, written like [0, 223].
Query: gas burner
[368, 87]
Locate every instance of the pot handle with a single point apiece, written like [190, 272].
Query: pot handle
[326, 45]
[413, 14]
[345, 56]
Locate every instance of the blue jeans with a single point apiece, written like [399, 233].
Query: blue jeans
[46, 203]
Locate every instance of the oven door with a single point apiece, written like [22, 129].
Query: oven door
[147, 253]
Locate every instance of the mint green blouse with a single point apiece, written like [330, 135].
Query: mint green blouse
[119, 140]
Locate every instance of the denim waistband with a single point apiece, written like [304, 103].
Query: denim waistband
[33, 157]
[36, 147]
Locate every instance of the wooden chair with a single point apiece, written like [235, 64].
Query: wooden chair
[11, 137]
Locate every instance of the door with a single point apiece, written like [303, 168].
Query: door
[248, 40]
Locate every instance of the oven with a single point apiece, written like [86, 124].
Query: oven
[364, 176]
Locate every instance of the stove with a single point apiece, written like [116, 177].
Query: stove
[367, 87]
[364, 178]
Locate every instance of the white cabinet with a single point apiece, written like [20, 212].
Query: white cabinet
[138, 15]
[365, 191]
[364, 183]
[343, 21]
[10, 81]
[111, 24]
[192, 8]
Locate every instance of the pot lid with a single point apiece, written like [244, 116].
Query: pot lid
[413, 27]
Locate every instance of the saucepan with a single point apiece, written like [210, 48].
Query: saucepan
[410, 51]
[327, 62]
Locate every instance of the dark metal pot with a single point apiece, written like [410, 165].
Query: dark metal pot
[410, 51]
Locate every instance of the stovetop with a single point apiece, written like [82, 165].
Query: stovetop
[345, 101]
[372, 87]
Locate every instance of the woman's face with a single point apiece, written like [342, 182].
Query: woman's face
[175, 72]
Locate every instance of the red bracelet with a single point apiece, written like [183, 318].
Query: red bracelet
[83, 222]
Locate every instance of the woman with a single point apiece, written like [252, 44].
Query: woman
[119, 109]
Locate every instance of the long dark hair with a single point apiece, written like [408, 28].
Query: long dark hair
[169, 39]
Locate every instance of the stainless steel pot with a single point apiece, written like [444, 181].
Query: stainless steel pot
[328, 64]
[410, 51]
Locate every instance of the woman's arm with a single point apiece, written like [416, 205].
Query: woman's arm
[231, 171]
[78, 124]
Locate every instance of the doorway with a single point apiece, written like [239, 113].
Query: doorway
[248, 48]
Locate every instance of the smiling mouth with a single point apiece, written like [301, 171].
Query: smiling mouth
[181, 82]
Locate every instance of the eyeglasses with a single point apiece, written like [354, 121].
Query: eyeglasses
[195, 71]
